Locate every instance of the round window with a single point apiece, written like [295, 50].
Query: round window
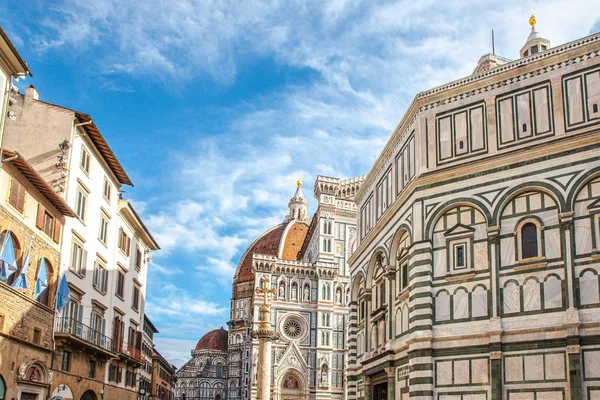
[294, 327]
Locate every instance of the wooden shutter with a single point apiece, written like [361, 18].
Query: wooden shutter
[57, 229]
[41, 213]
[21, 198]
[14, 192]
[84, 263]
[138, 340]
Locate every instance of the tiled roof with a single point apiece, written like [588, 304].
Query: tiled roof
[213, 340]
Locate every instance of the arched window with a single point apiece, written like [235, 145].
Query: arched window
[552, 293]
[589, 292]
[442, 306]
[399, 321]
[44, 277]
[219, 371]
[531, 296]
[405, 318]
[512, 298]
[461, 304]
[479, 301]
[529, 240]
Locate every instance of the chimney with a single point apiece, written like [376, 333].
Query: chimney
[32, 93]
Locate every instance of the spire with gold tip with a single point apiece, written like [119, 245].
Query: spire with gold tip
[298, 205]
[535, 42]
[532, 20]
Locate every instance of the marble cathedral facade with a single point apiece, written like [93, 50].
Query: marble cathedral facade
[306, 261]
[476, 272]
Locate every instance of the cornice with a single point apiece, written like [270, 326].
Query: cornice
[420, 102]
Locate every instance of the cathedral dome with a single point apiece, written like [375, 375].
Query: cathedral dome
[213, 340]
[284, 240]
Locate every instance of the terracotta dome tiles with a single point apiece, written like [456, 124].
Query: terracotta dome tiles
[213, 340]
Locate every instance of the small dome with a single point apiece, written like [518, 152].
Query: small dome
[213, 340]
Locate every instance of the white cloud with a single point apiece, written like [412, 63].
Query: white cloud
[369, 59]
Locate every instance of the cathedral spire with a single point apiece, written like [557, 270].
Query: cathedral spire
[298, 205]
[535, 42]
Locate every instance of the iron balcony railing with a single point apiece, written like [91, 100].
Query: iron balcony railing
[75, 328]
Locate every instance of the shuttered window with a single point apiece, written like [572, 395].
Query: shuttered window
[16, 197]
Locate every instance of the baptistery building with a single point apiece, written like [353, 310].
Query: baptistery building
[476, 272]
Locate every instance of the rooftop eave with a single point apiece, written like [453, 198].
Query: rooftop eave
[133, 217]
[18, 66]
[102, 145]
[37, 181]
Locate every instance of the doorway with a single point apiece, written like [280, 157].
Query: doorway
[89, 395]
[380, 391]
[29, 396]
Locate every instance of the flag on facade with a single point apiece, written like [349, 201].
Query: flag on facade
[21, 281]
[41, 282]
[63, 295]
[8, 261]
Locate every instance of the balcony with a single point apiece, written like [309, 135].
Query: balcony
[75, 333]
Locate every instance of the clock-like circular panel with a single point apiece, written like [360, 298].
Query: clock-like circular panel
[293, 327]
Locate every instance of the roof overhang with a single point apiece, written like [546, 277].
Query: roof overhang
[102, 145]
[11, 57]
[37, 181]
[132, 216]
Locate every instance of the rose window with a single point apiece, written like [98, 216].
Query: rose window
[294, 328]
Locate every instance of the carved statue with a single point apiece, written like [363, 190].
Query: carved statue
[306, 293]
[324, 375]
[338, 296]
[282, 290]
[294, 292]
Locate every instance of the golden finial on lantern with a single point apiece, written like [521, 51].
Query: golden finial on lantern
[532, 20]
[299, 182]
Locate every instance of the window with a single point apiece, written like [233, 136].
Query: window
[100, 280]
[595, 108]
[120, 291]
[36, 335]
[47, 223]
[91, 368]
[80, 203]
[124, 242]
[138, 259]
[219, 371]
[135, 302]
[459, 256]
[78, 259]
[404, 280]
[529, 241]
[16, 196]
[103, 234]
[85, 161]
[66, 361]
[106, 192]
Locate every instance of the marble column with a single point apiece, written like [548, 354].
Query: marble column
[265, 336]
[391, 381]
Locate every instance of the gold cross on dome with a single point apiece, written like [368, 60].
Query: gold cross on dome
[265, 290]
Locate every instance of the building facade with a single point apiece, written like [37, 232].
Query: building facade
[145, 373]
[105, 249]
[31, 221]
[163, 377]
[306, 261]
[476, 273]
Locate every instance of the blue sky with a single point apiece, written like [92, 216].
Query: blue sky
[215, 107]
